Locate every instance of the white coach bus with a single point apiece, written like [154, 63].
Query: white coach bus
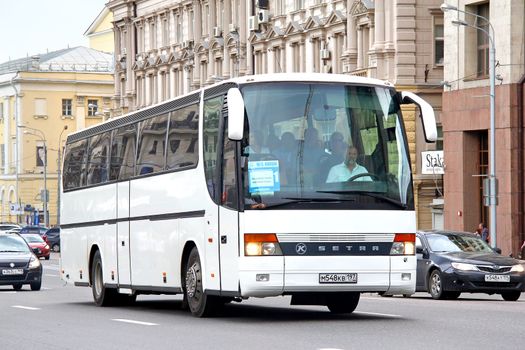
[268, 185]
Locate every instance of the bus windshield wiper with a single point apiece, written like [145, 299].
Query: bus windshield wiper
[294, 200]
[370, 194]
[11, 251]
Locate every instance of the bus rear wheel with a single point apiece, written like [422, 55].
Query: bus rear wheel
[343, 303]
[199, 303]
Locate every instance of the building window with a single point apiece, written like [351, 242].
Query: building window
[165, 32]
[92, 107]
[483, 40]
[439, 41]
[40, 107]
[179, 28]
[299, 5]
[439, 141]
[152, 35]
[67, 106]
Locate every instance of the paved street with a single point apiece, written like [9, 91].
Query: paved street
[64, 317]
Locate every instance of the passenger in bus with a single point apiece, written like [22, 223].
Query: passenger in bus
[337, 148]
[287, 156]
[310, 155]
[348, 169]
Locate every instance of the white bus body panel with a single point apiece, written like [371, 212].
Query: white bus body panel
[123, 239]
[301, 273]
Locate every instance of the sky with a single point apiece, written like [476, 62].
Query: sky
[30, 27]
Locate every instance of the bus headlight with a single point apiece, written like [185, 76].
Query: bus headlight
[404, 244]
[256, 244]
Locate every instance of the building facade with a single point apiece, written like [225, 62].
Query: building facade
[466, 117]
[42, 99]
[167, 48]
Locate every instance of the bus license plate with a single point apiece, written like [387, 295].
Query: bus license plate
[9, 272]
[497, 278]
[338, 278]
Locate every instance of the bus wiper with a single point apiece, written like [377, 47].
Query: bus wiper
[370, 194]
[294, 200]
[11, 251]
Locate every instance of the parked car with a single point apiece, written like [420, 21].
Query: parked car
[53, 238]
[35, 229]
[450, 263]
[39, 246]
[7, 226]
[18, 264]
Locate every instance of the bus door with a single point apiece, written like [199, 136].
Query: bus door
[228, 215]
[123, 248]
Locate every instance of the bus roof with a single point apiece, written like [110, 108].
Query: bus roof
[250, 79]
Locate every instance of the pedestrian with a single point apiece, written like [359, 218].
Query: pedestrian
[522, 251]
[483, 231]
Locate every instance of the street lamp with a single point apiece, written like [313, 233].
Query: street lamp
[31, 131]
[492, 68]
[59, 173]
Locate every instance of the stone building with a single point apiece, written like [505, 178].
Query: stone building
[39, 97]
[167, 48]
[466, 117]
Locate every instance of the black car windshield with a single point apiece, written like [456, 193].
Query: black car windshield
[33, 238]
[457, 243]
[337, 144]
[13, 243]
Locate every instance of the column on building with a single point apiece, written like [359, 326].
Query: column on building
[226, 20]
[351, 42]
[243, 39]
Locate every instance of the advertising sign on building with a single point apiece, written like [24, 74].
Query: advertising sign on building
[432, 163]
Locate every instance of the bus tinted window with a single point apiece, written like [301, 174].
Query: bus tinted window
[74, 165]
[183, 137]
[97, 165]
[123, 153]
[151, 147]
[212, 114]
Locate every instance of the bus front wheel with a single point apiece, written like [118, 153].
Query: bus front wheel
[343, 303]
[199, 303]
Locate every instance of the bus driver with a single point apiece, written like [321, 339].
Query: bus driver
[348, 169]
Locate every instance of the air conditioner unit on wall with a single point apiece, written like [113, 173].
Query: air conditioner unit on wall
[263, 16]
[325, 54]
[253, 23]
[232, 28]
[123, 51]
[217, 32]
[187, 44]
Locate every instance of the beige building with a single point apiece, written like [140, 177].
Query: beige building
[100, 32]
[167, 48]
[43, 95]
[466, 118]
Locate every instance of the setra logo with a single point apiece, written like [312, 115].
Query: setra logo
[300, 248]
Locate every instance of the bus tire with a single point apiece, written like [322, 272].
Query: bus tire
[101, 295]
[199, 303]
[343, 303]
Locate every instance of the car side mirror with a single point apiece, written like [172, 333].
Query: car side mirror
[423, 252]
[497, 250]
[35, 250]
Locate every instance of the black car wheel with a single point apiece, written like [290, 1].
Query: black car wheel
[435, 285]
[17, 286]
[511, 296]
[199, 303]
[36, 285]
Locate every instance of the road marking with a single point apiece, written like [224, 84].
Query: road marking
[26, 307]
[377, 314]
[134, 322]
[52, 267]
[50, 275]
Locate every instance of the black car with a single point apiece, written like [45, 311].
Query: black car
[449, 263]
[53, 238]
[18, 264]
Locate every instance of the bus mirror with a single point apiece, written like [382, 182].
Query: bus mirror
[235, 114]
[427, 114]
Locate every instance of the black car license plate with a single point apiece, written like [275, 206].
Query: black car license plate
[10, 272]
[337, 278]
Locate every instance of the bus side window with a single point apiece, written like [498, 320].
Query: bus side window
[123, 153]
[183, 134]
[151, 146]
[97, 158]
[212, 115]
[74, 165]
[229, 196]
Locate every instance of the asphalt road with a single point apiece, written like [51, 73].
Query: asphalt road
[64, 317]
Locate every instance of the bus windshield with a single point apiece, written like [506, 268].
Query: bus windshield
[324, 145]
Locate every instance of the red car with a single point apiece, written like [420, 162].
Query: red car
[37, 243]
